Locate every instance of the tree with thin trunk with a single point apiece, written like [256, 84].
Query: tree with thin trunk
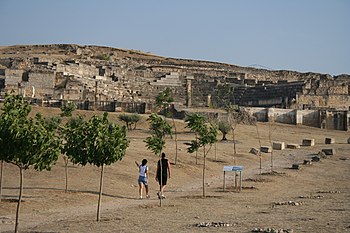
[260, 155]
[156, 142]
[271, 144]
[232, 119]
[100, 143]
[28, 143]
[1, 173]
[224, 127]
[67, 110]
[207, 134]
[73, 138]
[164, 101]
[194, 122]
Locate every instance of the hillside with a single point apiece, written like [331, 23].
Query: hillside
[105, 75]
[321, 189]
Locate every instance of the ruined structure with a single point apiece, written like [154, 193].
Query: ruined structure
[102, 77]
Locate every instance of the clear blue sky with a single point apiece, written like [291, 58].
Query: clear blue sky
[301, 35]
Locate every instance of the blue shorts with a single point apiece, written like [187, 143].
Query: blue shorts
[143, 180]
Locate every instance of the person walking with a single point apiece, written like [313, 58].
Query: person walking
[163, 174]
[142, 180]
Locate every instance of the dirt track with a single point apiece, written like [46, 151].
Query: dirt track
[321, 190]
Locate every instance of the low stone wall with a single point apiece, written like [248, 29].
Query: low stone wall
[333, 120]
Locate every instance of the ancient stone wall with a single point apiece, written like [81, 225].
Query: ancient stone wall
[108, 74]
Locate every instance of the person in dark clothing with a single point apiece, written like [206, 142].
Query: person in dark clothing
[164, 165]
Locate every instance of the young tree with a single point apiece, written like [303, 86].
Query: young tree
[164, 101]
[28, 142]
[224, 127]
[260, 156]
[130, 119]
[73, 144]
[67, 108]
[193, 122]
[99, 143]
[206, 135]
[1, 173]
[156, 142]
[271, 144]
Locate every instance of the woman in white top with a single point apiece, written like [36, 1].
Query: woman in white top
[143, 169]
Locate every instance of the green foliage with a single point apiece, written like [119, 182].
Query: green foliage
[163, 100]
[195, 122]
[96, 141]
[130, 119]
[160, 128]
[27, 142]
[222, 95]
[67, 108]
[205, 135]
[75, 139]
[104, 57]
[224, 127]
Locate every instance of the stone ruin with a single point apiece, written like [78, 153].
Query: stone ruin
[100, 77]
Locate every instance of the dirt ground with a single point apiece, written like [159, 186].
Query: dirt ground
[315, 198]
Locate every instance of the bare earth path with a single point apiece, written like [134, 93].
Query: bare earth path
[321, 190]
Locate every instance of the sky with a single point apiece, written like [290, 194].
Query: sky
[299, 35]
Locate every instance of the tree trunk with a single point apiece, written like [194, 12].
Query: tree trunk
[100, 194]
[224, 137]
[175, 132]
[234, 146]
[1, 172]
[161, 180]
[204, 172]
[19, 197]
[257, 132]
[215, 151]
[66, 172]
[196, 153]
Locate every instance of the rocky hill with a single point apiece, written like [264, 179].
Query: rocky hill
[104, 74]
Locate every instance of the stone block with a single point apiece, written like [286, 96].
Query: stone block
[266, 149]
[329, 141]
[278, 145]
[316, 158]
[296, 166]
[254, 151]
[329, 151]
[293, 146]
[308, 142]
[307, 162]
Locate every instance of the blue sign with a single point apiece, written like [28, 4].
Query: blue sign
[233, 168]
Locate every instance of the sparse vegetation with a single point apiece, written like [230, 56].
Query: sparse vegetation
[130, 119]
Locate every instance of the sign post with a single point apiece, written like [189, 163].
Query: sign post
[233, 169]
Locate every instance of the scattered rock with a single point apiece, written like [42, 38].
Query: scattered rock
[272, 230]
[328, 192]
[329, 140]
[312, 197]
[315, 158]
[293, 146]
[213, 224]
[254, 151]
[307, 162]
[292, 203]
[296, 166]
[265, 149]
[322, 155]
[329, 151]
[278, 145]
[308, 142]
